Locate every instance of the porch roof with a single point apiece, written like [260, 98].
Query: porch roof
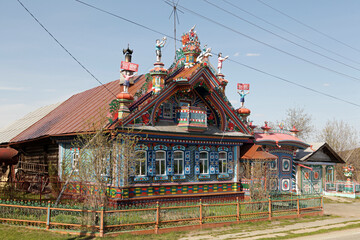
[257, 153]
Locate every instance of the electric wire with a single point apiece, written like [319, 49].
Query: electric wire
[292, 34]
[63, 47]
[268, 45]
[288, 32]
[308, 26]
[239, 63]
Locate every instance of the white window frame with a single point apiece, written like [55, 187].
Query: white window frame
[158, 161]
[202, 162]
[178, 160]
[138, 161]
[222, 163]
[75, 161]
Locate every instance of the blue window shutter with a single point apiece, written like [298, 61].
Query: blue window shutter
[212, 163]
[169, 163]
[187, 164]
[230, 163]
[197, 162]
[150, 163]
[216, 162]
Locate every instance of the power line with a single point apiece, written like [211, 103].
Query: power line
[268, 45]
[62, 46]
[125, 19]
[292, 34]
[296, 84]
[283, 38]
[312, 28]
[239, 63]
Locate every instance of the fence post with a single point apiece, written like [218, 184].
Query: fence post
[200, 208]
[298, 206]
[157, 217]
[237, 209]
[41, 185]
[48, 216]
[322, 204]
[102, 221]
[270, 210]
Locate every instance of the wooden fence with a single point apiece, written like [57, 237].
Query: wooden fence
[154, 218]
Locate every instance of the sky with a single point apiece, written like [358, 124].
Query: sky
[35, 71]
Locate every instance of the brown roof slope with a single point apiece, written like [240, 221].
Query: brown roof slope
[71, 115]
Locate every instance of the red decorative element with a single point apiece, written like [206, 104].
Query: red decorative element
[145, 118]
[129, 66]
[252, 126]
[243, 86]
[125, 95]
[294, 130]
[266, 127]
[243, 111]
[231, 126]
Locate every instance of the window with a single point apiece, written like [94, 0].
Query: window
[140, 163]
[75, 161]
[330, 174]
[204, 163]
[168, 110]
[160, 163]
[178, 162]
[222, 162]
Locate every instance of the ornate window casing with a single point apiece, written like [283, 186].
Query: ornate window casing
[160, 162]
[168, 110]
[75, 161]
[223, 162]
[178, 163]
[140, 163]
[204, 162]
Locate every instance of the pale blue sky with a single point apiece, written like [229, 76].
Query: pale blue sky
[35, 71]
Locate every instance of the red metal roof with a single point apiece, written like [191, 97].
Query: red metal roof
[256, 153]
[71, 116]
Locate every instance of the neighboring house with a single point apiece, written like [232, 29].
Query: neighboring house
[284, 145]
[9, 156]
[315, 166]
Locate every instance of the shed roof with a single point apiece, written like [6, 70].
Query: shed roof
[11, 131]
[71, 115]
[318, 152]
[257, 153]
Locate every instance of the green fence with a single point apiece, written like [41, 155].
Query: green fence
[153, 217]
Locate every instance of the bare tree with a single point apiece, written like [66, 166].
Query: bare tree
[340, 135]
[344, 139]
[297, 117]
[103, 158]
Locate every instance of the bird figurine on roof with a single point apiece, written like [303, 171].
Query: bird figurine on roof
[204, 55]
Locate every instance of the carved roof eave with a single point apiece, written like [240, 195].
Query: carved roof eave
[212, 83]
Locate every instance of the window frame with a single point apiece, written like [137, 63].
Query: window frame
[201, 163]
[75, 161]
[221, 160]
[160, 160]
[139, 160]
[171, 108]
[177, 160]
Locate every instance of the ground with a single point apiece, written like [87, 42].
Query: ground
[341, 220]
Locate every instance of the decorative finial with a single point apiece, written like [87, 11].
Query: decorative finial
[126, 83]
[220, 61]
[241, 91]
[128, 53]
[158, 46]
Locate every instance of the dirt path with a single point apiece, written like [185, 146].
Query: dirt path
[347, 210]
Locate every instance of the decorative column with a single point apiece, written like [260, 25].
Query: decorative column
[124, 99]
[158, 74]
